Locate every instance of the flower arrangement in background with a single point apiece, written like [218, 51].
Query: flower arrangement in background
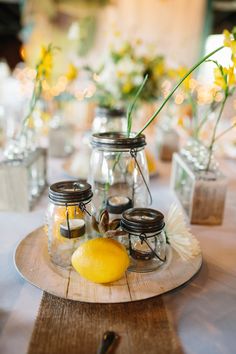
[201, 105]
[226, 80]
[72, 85]
[122, 72]
[43, 73]
[192, 104]
[31, 87]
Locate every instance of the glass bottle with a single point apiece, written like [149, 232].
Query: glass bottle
[118, 168]
[68, 219]
[109, 120]
[146, 237]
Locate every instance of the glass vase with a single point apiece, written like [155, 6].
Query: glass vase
[109, 120]
[60, 136]
[201, 191]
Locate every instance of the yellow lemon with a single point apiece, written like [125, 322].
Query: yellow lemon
[101, 260]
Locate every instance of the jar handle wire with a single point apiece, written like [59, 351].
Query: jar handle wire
[67, 221]
[143, 238]
[81, 205]
[133, 153]
[83, 208]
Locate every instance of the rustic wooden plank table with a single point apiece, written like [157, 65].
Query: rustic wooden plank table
[203, 312]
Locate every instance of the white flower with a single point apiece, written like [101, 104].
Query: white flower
[179, 236]
[137, 80]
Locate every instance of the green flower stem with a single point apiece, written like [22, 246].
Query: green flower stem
[175, 88]
[34, 99]
[225, 131]
[195, 114]
[203, 121]
[213, 139]
[131, 106]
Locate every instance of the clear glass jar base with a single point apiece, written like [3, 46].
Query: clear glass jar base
[56, 261]
[139, 266]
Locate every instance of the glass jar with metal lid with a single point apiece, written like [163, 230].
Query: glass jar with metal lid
[118, 168]
[68, 219]
[109, 120]
[147, 240]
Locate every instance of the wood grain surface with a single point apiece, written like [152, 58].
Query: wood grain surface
[33, 263]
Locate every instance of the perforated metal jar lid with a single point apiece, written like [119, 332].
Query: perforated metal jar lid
[70, 192]
[142, 220]
[115, 140]
[110, 113]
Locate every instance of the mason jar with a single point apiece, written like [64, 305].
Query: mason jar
[109, 120]
[146, 236]
[118, 168]
[68, 219]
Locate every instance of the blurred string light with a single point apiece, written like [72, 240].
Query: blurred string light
[25, 76]
[23, 52]
[179, 98]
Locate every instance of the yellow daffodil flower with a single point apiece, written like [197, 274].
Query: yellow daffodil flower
[181, 121]
[225, 77]
[120, 74]
[187, 82]
[178, 74]
[231, 76]
[159, 69]
[230, 42]
[127, 87]
[219, 78]
[72, 72]
[227, 38]
[44, 67]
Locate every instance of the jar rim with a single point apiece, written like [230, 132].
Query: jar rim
[142, 220]
[118, 140]
[71, 192]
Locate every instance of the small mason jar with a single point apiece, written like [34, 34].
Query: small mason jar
[68, 219]
[109, 120]
[146, 237]
[118, 168]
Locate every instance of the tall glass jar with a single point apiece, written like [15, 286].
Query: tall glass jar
[146, 237]
[167, 142]
[60, 136]
[118, 168]
[68, 219]
[109, 120]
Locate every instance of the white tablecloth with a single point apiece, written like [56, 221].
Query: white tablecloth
[204, 311]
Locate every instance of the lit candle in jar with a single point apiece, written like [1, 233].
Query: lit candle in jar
[117, 204]
[142, 251]
[73, 229]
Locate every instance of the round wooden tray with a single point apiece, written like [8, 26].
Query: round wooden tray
[33, 263]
